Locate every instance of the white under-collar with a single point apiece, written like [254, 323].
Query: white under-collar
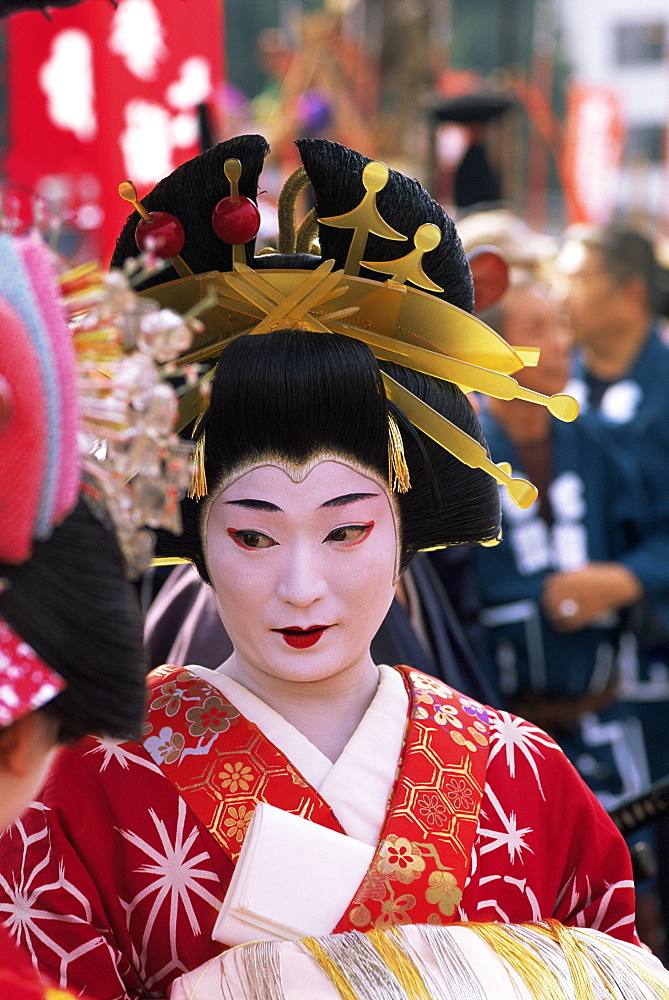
[358, 785]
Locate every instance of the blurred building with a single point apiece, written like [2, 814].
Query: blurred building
[623, 47]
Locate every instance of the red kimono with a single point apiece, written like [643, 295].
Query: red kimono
[18, 979]
[114, 879]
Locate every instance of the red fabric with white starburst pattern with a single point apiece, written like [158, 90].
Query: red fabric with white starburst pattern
[112, 882]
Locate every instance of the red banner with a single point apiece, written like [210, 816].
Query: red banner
[592, 153]
[100, 94]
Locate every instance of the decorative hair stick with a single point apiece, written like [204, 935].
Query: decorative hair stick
[157, 232]
[454, 440]
[235, 219]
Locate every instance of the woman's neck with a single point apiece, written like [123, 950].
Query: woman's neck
[326, 711]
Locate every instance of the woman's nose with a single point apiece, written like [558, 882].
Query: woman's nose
[301, 581]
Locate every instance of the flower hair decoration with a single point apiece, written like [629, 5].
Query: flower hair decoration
[86, 401]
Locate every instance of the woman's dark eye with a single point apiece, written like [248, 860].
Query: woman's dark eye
[350, 533]
[251, 539]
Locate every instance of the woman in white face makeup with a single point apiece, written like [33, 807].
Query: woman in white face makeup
[301, 789]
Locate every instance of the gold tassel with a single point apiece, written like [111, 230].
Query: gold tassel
[401, 966]
[198, 484]
[541, 981]
[330, 968]
[583, 987]
[398, 470]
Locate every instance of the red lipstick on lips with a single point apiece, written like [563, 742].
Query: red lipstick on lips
[302, 638]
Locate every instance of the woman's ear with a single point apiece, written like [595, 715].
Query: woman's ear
[25, 744]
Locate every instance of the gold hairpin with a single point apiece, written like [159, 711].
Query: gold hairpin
[365, 218]
[409, 268]
[456, 441]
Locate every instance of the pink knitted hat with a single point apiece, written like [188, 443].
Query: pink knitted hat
[39, 264]
[38, 432]
[22, 436]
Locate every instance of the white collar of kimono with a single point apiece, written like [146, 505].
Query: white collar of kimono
[358, 785]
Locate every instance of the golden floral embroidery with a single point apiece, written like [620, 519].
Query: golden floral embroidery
[457, 737]
[433, 810]
[236, 821]
[394, 911]
[423, 698]
[400, 859]
[460, 794]
[446, 715]
[166, 747]
[169, 698]
[444, 892]
[360, 916]
[214, 716]
[373, 886]
[296, 778]
[236, 776]
[478, 736]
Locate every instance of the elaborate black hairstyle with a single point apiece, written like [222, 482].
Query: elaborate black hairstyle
[71, 602]
[293, 394]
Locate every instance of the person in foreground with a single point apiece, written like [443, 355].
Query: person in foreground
[71, 659]
[300, 789]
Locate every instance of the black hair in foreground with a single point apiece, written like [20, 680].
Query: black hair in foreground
[292, 395]
[71, 602]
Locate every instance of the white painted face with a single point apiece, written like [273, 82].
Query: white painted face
[304, 572]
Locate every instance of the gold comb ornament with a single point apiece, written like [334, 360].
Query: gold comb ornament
[399, 319]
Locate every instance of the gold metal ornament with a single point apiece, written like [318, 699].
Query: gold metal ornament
[409, 268]
[365, 218]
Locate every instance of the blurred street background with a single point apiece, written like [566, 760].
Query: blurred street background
[557, 108]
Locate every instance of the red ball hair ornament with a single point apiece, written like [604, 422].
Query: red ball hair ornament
[235, 219]
[159, 233]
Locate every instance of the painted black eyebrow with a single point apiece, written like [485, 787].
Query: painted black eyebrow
[341, 501]
[347, 498]
[255, 505]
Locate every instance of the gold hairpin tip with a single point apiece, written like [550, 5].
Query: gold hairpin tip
[492, 542]
[428, 237]
[563, 407]
[522, 493]
[128, 192]
[375, 176]
[232, 169]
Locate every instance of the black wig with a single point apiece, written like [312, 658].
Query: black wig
[296, 394]
[71, 602]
